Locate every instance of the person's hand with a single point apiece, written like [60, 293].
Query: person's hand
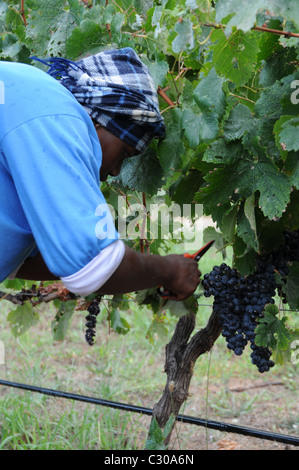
[182, 277]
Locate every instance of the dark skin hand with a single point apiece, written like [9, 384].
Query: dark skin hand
[177, 274]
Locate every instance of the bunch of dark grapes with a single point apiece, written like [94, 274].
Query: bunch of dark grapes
[285, 254]
[240, 301]
[93, 311]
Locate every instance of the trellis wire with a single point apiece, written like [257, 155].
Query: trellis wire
[217, 425]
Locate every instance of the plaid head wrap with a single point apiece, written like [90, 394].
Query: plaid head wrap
[117, 91]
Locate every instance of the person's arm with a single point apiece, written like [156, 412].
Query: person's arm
[177, 274]
[137, 271]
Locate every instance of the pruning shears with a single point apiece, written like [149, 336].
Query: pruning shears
[196, 256]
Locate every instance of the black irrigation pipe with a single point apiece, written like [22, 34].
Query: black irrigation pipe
[225, 427]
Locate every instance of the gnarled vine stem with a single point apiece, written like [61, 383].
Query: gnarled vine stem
[181, 355]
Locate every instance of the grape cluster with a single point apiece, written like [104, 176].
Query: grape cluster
[280, 258]
[240, 301]
[93, 311]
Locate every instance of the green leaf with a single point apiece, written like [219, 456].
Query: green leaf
[14, 283]
[51, 23]
[271, 332]
[191, 123]
[291, 288]
[22, 319]
[292, 167]
[118, 323]
[244, 228]
[10, 46]
[235, 56]
[209, 95]
[155, 440]
[245, 178]
[143, 172]
[185, 37]
[277, 130]
[223, 152]
[60, 324]
[228, 224]
[239, 122]
[83, 39]
[244, 257]
[183, 190]
[158, 69]
[273, 186]
[180, 308]
[168, 426]
[288, 9]
[243, 13]
[269, 102]
[171, 149]
[157, 328]
[249, 211]
[289, 134]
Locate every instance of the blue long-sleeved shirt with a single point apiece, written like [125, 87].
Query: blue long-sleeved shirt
[50, 158]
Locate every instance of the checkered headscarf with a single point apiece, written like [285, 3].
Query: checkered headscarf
[117, 91]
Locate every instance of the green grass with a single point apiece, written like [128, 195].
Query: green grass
[129, 369]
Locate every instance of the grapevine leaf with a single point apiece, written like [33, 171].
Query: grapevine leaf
[208, 125]
[183, 190]
[291, 288]
[234, 57]
[14, 283]
[249, 211]
[245, 231]
[185, 36]
[118, 323]
[192, 127]
[180, 308]
[158, 69]
[224, 152]
[269, 102]
[271, 331]
[155, 440]
[245, 178]
[83, 39]
[3, 11]
[210, 233]
[143, 172]
[277, 98]
[149, 297]
[244, 258]
[209, 95]
[288, 9]
[51, 23]
[171, 149]
[293, 168]
[277, 130]
[22, 318]
[61, 322]
[239, 122]
[156, 329]
[289, 134]
[273, 185]
[243, 13]
[228, 225]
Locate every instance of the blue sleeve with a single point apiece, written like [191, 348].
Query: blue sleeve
[54, 163]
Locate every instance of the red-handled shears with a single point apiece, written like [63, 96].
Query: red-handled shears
[196, 256]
